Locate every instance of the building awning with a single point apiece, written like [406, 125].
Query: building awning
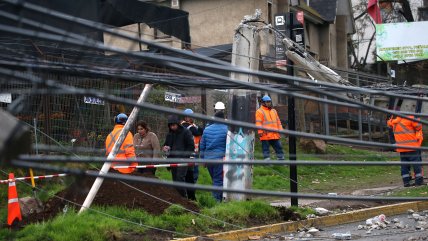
[218, 51]
[170, 21]
[115, 13]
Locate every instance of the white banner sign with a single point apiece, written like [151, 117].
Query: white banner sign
[93, 100]
[402, 41]
[6, 98]
[172, 97]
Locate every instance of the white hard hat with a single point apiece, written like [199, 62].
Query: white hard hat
[219, 106]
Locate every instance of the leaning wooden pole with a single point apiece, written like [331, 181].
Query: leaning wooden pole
[104, 170]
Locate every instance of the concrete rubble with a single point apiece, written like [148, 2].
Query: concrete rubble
[379, 222]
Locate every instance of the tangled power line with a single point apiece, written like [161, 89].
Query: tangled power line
[201, 72]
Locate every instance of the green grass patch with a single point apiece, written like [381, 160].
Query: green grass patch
[312, 179]
[108, 223]
[330, 178]
[88, 226]
[420, 191]
[303, 212]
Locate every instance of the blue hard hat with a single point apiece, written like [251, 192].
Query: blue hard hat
[188, 111]
[266, 98]
[121, 118]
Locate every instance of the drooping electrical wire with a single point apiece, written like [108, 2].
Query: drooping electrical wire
[98, 26]
[66, 159]
[176, 184]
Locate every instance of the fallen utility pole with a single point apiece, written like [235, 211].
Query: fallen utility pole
[104, 170]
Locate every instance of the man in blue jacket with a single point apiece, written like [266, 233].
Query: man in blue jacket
[213, 146]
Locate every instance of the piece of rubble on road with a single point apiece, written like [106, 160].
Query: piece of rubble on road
[342, 236]
[313, 230]
[321, 211]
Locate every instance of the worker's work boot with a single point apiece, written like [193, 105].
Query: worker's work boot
[419, 181]
[406, 181]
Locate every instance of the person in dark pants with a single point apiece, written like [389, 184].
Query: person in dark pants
[179, 144]
[408, 133]
[213, 146]
[267, 117]
[197, 134]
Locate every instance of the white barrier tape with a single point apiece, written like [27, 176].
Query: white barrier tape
[10, 181]
[160, 165]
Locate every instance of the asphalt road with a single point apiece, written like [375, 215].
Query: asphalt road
[407, 233]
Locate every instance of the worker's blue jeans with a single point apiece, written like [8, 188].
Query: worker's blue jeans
[276, 144]
[195, 174]
[411, 156]
[216, 173]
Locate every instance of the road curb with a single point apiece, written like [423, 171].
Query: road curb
[325, 221]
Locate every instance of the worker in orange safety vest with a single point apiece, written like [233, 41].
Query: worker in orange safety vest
[408, 133]
[267, 117]
[126, 150]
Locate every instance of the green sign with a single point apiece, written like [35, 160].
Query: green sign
[402, 41]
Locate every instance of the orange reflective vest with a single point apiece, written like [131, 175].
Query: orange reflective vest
[406, 132]
[268, 118]
[197, 139]
[126, 150]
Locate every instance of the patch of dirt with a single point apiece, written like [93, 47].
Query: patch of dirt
[113, 193]
[287, 214]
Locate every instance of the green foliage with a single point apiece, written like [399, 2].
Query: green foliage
[420, 191]
[175, 210]
[88, 226]
[204, 176]
[271, 178]
[242, 212]
[302, 211]
[331, 178]
[164, 174]
[205, 199]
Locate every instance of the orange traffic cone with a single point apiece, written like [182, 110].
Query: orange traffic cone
[13, 209]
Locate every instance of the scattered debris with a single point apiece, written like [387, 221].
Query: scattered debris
[30, 205]
[399, 225]
[317, 146]
[376, 220]
[321, 211]
[290, 237]
[342, 236]
[313, 231]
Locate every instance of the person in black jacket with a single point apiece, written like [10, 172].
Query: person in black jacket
[179, 144]
[197, 132]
